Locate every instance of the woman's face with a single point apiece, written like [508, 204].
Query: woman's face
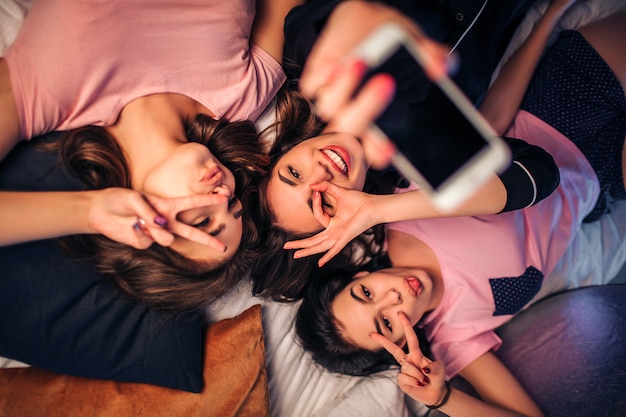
[371, 302]
[338, 158]
[192, 169]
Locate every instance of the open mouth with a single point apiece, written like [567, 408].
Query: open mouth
[414, 285]
[338, 157]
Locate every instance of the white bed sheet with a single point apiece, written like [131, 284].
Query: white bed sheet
[298, 387]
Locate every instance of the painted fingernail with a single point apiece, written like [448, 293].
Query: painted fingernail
[359, 67]
[426, 370]
[225, 248]
[141, 221]
[421, 384]
[160, 220]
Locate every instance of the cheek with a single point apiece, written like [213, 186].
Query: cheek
[166, 182]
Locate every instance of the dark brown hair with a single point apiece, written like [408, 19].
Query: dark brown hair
[159, 276]
[277, 274]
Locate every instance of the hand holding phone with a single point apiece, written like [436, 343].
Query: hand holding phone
[447, 147]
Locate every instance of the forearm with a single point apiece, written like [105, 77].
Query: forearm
[507, 91]
[26, 216]
[489, 199]
[461, 404]
[268, 28]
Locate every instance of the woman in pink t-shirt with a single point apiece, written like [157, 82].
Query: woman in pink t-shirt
[168, 92]
[460, 278]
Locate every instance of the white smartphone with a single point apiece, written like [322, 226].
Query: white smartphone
[448, 149]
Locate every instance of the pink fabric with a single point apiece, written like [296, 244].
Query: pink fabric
[471, 250]
[80, 62]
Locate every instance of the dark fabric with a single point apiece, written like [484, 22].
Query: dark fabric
[539, 165]
[58, 314]
[576, 92]
[569, 352]
[445, 21]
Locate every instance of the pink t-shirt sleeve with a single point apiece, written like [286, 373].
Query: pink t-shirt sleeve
[459, 355]
[79, 63]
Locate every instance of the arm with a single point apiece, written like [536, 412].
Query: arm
[113, 212]
[530, 178]
[507, 91]
[496, 385]
[9, 121]
[358, 211]
[424, 381]
[269, 22]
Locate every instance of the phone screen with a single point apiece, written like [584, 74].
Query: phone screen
[434, 135]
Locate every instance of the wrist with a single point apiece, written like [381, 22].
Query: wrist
[443, 399]
[85, 208]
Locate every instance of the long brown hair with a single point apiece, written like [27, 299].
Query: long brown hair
[159, 276]
[277, 274]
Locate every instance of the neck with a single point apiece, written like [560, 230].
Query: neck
[149, 128]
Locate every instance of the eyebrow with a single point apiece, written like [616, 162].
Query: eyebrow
[222, 226]
[360, 300]
[293, 184]
[219, 229]
[286, 180]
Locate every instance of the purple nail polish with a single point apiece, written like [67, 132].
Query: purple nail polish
[426, 370]
[160, 220]
[225, 248]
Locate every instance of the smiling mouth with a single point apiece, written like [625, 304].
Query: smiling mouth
[337, 160]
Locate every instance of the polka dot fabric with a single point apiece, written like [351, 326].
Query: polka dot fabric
[576, 92]
[510, 294]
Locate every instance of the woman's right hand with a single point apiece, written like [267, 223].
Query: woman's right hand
[331, 75]
[419, 378]
[353, 215]
[138, 220]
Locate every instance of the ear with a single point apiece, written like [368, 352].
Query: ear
[360, 274]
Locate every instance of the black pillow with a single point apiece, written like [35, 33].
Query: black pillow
[57, 313]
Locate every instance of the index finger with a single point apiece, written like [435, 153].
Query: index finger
[198, 200]
[395, 350]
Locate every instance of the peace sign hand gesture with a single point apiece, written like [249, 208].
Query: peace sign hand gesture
[420, 378]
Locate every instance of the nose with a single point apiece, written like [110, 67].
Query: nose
[390, 298]
[321, 172]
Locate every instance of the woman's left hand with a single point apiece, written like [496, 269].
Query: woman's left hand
[353, 215]
[420, 378]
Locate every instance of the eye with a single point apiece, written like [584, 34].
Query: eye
[387, 324]
[294, 173]
[203, 223]
[325, 202]
[366, 292]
